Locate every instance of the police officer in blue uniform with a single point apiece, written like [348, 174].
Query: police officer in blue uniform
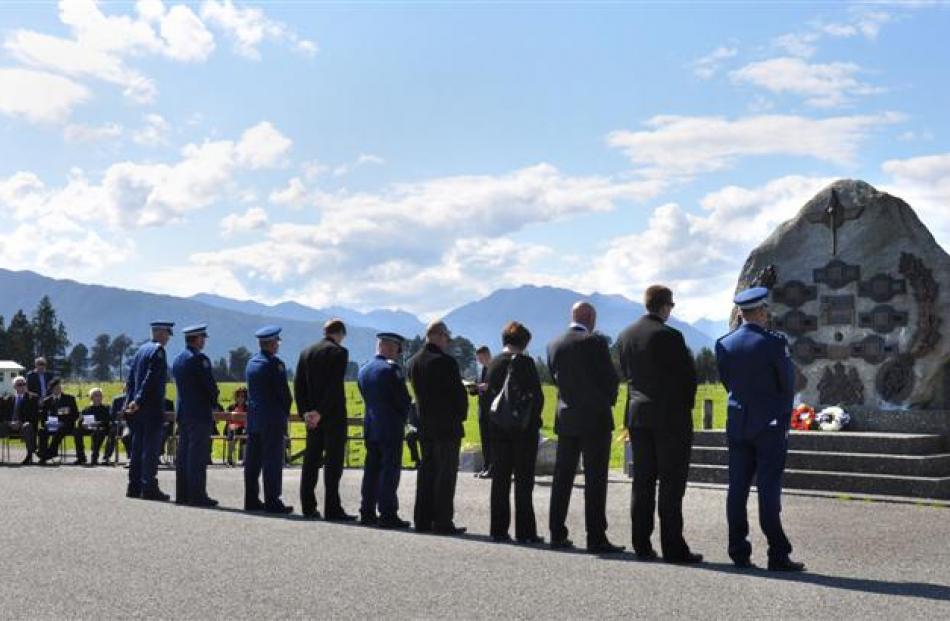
[146, 409]
[383, 386]
[756, 368]
[197, 396]
[268, 403]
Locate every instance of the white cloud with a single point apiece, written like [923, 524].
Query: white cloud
[262, 146]
[708, 65]
[91, 133]
[294, 195]
[136, 194]
[860, 21]
[185, 35]
[37, 96]
[924, 182]
[824, 85]
[154, 131]
[699, 255]
[252, 219]
[364, 159]
[249, 27]
[688, 145]
[798, 44]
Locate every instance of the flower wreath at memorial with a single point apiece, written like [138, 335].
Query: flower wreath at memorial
[834, 418]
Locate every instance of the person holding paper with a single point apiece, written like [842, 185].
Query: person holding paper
[97, 418]
[61, 415]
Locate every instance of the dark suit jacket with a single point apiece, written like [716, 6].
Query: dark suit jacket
[526, 376]
[586, 383]
[484, 398]
[33, 381]
[661, 375]
[29, 408]
[441, 397]
[50, 406]
[318, 383]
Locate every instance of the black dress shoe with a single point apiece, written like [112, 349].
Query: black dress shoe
[155, 494]
[394, 523]
[689, 558]
[506, 538]
[133, 492]
[562, 544]
[369, 520]
[181, 501]
[27, 461]
[647, 555]
[532, 540]
[743, 563]
[253, 505]
[312, 515]
[340, 516]
[79, 462]
[785, 564]
[604, 547]
[279, 509]
[204, 502]
[451, 529]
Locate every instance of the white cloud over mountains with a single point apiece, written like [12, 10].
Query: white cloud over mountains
[823, 85]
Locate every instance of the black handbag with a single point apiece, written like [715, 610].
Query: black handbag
[512, 407]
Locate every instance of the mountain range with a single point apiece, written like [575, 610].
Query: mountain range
[88, 310]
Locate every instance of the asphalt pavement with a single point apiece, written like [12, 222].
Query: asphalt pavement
[74, 547]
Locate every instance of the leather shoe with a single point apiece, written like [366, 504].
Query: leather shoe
[451, 529]
[647, 555]
[204, 502]
[369, 520]
[785, 564]
[312, 515]
[280, 509]
[340, 516]
[689, 558]
[604, 547]
[253, 505]
[506, 538]
[534, 540]
[155, 494]
[562, 544]
[743, 563]
[27, 461]
[133, 492]
[394, 523]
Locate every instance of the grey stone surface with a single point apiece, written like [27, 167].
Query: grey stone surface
[877, 295]
[74, 548]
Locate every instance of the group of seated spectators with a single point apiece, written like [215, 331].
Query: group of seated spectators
[41, 415]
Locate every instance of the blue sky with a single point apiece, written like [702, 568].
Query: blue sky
[421, 155]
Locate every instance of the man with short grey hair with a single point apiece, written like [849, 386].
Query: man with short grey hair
[24, 410]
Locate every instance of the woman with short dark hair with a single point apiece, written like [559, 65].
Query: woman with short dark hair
[514, 451]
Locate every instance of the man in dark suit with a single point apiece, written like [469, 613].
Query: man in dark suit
[443, 407]
[62, 407]
[321, 402]
[587, 382]
[24, 410]
[661, 377]
[483, 356]
[38, 380]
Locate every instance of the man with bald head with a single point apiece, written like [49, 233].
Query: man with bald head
[587, 384]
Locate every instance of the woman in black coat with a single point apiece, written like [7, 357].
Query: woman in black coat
[514, 451]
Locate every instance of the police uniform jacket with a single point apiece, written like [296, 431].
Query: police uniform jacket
[587, 383]
[440, 394]
[268, 395]
[756, 368]
[147, 378]
[319, 382]
[661, 375]
[387, 400]
[197, 390]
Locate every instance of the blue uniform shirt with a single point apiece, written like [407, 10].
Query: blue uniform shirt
[268, 395]
[197, 390]
[387, 400]
[147, 378]
[756, 369]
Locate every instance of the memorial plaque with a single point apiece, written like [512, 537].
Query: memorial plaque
[883, 319]
[837, 274]
[795, 323]
[837, 310]
[794, 294]
[873, 349]
[805, 350]
[882, 287]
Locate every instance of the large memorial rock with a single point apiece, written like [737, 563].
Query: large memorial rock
[862, 290]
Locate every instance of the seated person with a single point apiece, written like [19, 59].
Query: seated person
[168, 433]
[116, 426]
[100, 424]
[237, 428]
[59, 411]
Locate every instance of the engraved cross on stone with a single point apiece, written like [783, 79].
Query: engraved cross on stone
[834, 215]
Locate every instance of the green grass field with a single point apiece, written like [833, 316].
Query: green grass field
[713, 392]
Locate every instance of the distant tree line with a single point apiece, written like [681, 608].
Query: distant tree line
[42, 334]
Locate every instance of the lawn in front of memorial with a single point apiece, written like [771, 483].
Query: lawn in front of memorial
[713, 392]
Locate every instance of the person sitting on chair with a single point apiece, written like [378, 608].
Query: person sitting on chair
[61, 408]
[99, 423]
[237, 428]
[23, 415]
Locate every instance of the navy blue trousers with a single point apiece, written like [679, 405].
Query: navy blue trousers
[146, 449]
[381, 473]
[265, 454]
[191, 467]
[762, 457]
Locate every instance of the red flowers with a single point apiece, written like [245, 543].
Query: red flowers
[803, 418]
